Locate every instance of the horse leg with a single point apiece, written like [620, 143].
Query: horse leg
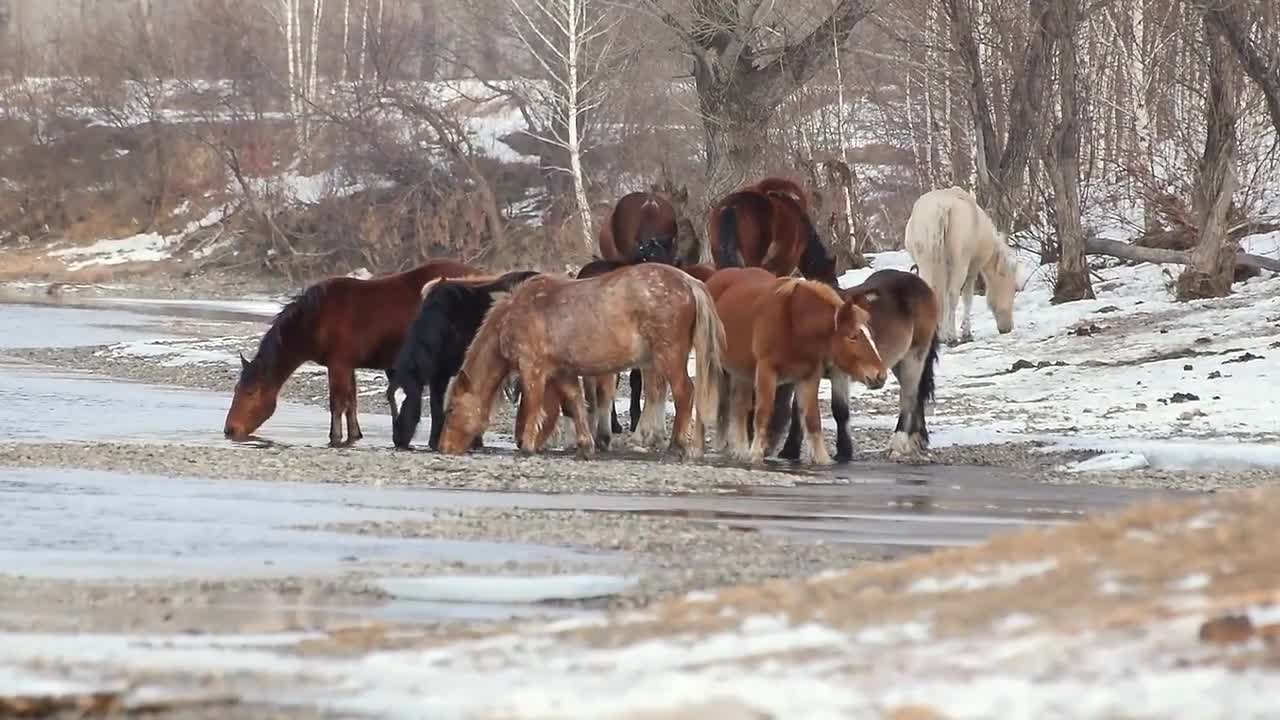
[807, 394]
[653, 416]
[338, 394]
[766, 387]
[840, 413]
[637, 387]
[603, 421]
[739, 406]
[532, 388]
[676, 372]
[966, 304]
[909, 435]
[723, 411]
[939, 279]
[438, 387]
[571, 390]
[786, 409]
[391, 395]
[551, 407]
[353, 418]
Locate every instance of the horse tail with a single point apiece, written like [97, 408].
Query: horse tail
[708, 343]
[925, 391]
[926, 240]
[730, 254]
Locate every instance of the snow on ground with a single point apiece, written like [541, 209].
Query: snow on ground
[144, 247]
[1143, 366]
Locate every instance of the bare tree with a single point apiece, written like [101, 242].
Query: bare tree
[1231, 20]
[1063, 158]
[569, 40]
[741, 81]
[1213, 258]
[1001, 167]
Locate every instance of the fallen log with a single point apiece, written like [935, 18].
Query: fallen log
[1115, 248]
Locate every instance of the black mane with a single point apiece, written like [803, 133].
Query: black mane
[286, 323]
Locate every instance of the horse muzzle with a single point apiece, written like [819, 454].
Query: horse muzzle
[877, 381]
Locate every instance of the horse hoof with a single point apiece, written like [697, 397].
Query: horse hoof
[584, 453]
[602, 442]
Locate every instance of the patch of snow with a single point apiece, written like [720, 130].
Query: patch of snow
[146, 247]
[1004, 575]
[1110, 462]
[1205, 520]
[1015, 622]
[1191, 583]
[361, 273]
[504, 589]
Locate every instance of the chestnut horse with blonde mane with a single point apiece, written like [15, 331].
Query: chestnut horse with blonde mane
[341, 323]
[640, 228]
[904, 323]
[782, 331]
[553, 330]
[767, 225]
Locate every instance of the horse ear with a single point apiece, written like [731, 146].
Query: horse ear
[243, 363]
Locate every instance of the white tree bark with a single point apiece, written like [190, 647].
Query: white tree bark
[843, 139]
[346, 39]
[313, 78]
[364, 35]
[569, 43]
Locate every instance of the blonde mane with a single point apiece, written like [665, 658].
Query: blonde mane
[822, 290]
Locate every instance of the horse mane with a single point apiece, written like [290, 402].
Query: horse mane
[496, 315]
[826, 292]
[294, 314]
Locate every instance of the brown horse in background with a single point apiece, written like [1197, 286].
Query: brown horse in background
[555, 330]
[341, 323]
[904, 325]
[770, 228]
[640, 228]
[781, 331]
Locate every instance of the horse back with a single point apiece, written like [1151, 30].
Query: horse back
[904, 313]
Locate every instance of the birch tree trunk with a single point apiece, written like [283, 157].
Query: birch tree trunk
[364, 38]
[569, 41]
[1212, 266]
[346, 39]
[856, 239]
[574, 36]
[313, 78]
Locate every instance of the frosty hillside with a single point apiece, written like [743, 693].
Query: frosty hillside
[581, 359]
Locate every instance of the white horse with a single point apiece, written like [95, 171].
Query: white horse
[952, 240]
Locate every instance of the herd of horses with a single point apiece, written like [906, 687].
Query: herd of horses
[766, 322]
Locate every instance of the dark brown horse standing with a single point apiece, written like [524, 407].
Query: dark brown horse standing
[341, 323]
[767, 225]
[640, 228]
[904, 322]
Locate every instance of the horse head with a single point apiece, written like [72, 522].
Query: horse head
[854, 349]
[252, 404]
[657, 249]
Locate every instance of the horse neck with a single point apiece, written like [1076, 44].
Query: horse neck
[484, 365]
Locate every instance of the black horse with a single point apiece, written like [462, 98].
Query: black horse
[433, 351]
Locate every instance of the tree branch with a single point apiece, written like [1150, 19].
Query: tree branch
[1115, 248]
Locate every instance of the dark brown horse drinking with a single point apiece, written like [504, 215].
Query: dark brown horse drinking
[904, 322]
[554, 330]
[341, 323]
[767, 225]
[641, 228]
